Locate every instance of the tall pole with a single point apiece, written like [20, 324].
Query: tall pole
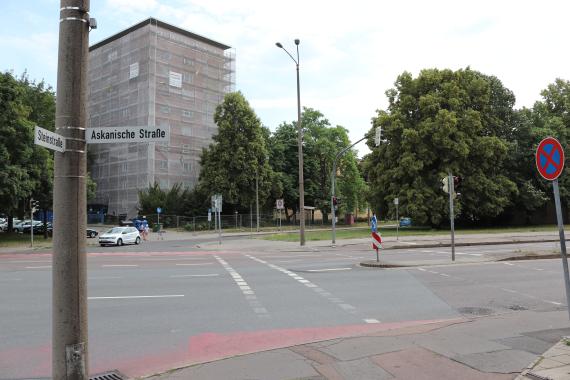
[69, 287]
[257, 198]
[451, 215]
[560, 222]
[300, 138]
[300, 143]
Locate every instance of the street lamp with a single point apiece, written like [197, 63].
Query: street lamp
[300, 141]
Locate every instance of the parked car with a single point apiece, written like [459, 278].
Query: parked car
[39, 229]
[119, 236]
[4, 226]
[406, 222]
[25, 224]
[38, 225]
[91, 233]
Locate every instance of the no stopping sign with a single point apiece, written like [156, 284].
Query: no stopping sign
[549, 158]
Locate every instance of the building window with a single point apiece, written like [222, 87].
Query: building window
[134, 70]
[188, 61]
[112, 55]
[164, 109]
[185, 148]
[175, 79]
[187, 77]
[124, 167]
[163, 165]
[186, 166]
[186, 113]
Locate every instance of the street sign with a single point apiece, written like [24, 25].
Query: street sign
[549, 158]
[217, 202]
[378, 136]
[112, 135]
[49, 139]
[158, 210]
[396, 200]
[279, 204]
[376, 240]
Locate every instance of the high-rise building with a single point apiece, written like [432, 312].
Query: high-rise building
[153, 74]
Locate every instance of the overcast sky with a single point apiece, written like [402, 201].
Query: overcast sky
[351, 51]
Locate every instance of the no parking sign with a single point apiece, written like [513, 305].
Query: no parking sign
[550, 163]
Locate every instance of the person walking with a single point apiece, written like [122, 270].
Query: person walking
[144, 228]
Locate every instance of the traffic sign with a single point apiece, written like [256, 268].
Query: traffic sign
[376, 240]
[158, 210]
[49, 139]
[549, 158]
[107, 135]
[279, 204]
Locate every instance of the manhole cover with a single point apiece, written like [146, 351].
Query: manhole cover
[517, 307]
[477, 311]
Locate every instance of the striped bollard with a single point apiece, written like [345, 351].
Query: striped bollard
[376, 243]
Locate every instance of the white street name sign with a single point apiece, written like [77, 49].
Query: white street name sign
[49, 139]
[110, 135]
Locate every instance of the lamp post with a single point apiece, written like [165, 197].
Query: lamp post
[300, 142]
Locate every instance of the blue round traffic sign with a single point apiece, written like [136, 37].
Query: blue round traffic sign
[158, 210]
[549, 158]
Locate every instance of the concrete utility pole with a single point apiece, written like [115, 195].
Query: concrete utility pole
[69, 291]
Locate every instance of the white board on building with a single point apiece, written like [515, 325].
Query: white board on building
[113, 135]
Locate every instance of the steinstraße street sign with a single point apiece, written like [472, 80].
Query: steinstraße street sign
[113, 135]
[549, 158]
[550, 163]
[49, 139]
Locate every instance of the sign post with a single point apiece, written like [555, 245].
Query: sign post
[280, 205]
[396, 202]
[550, 163]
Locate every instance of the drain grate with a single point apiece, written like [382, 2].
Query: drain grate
[111, 375]
[517, 307]
[476, 311]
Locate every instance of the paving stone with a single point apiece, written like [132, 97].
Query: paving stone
[362, 369]
[421, 364]
[504, 361]
[559, 373]
[547, 363]
[355, 348]
[276, 365]
[451, 343]
[526, 343]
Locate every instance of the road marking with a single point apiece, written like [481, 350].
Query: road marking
[405, 242]
[42, 267]
[194, 275]
[509, 264]
[427, 251]
[135, 297]
[105, 278]
[509, 290]
[371, 320]
[327, 269]
[289, 261]
[343, 305]
[444, 275]
[246, 290]
[118, 265]
[193, 264]
[554, 303]
[422, 269]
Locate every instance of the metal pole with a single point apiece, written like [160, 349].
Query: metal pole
[562, 241]
[257, 199]
[300, 142]
[397, 221]
[69, 286]
[32, 221]
[220, 226]
[451, 216]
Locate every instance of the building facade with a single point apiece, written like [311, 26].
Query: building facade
[153, 74]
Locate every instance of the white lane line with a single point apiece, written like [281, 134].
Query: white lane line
[509, 290]
[444, 275]
[193, 264]
[427, 251]
[194, 275]
[509, 264]
[343, 305]
[422, 269]
[371, 320]
[327, 269]
[406, 242]
[246, 290]
[136, 297]
[41, 267]
[118, 265]
[554, 303]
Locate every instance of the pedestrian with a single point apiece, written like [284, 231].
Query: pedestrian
[144, 228]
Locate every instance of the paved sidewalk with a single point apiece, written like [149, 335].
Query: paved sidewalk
[553, 364]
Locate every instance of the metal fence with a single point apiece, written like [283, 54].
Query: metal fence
[234, 222]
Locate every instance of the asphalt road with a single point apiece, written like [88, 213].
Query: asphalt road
[153, 306]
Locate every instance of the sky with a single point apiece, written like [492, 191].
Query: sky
[351, 52]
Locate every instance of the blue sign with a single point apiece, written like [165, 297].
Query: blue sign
[158, 210]
[374, 224]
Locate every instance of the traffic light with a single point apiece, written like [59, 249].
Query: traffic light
[34, 205]
[456, 181]
[335, 201]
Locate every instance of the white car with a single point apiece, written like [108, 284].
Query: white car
[19, 227]
[120, 236]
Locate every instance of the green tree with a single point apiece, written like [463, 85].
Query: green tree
[171, 201]
[443, 121]
[237, 157]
